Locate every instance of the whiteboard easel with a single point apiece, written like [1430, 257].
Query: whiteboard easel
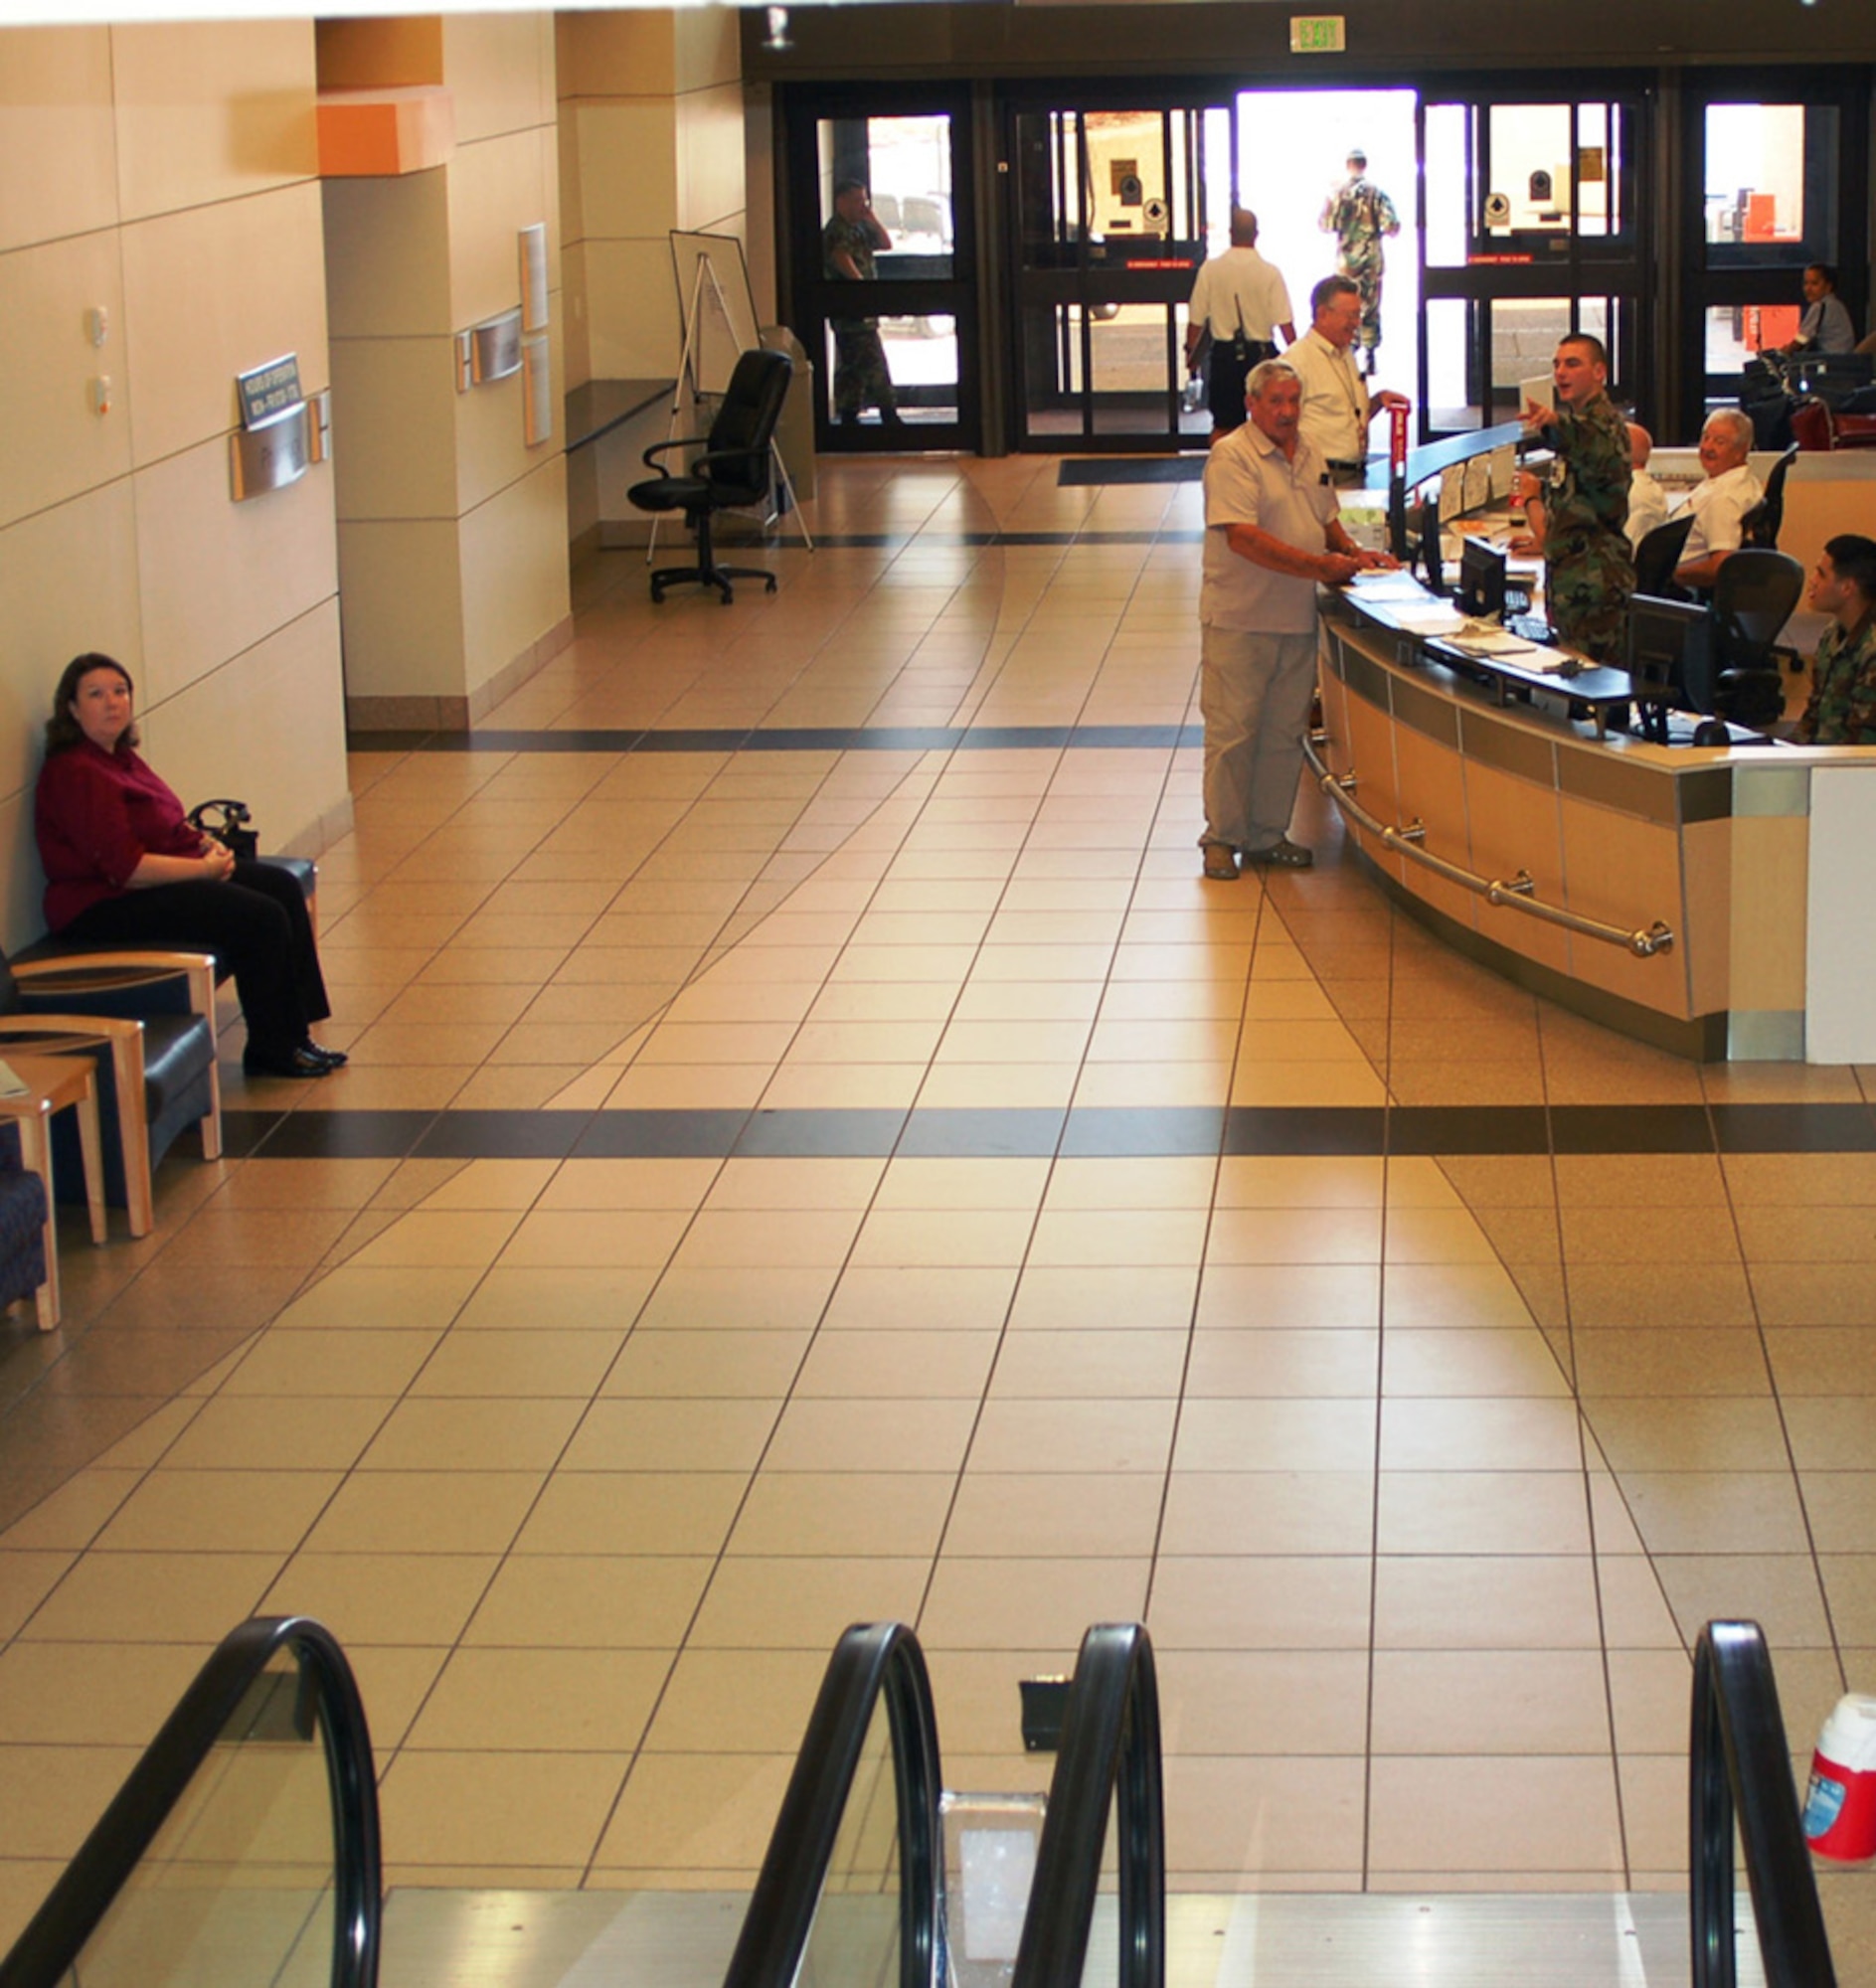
[716, 334]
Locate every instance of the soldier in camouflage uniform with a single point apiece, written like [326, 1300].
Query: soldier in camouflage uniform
[1843, 706]
[1590, 568]
[848, 242]
[1358, 214]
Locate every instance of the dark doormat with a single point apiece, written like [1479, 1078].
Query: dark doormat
[1129, 469]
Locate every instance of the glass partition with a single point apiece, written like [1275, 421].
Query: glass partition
[855, 1939]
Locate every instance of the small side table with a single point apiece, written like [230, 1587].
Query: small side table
[52, 1083]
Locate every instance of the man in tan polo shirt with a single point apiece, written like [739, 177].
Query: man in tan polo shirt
[1337, 404]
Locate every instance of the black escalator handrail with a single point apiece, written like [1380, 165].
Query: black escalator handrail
[51, 1943]
[1109, 1747]
[1738, 1764]
[872, 1660]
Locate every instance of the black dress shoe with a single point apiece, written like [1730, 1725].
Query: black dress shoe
[302, 1061]
[332, 1059]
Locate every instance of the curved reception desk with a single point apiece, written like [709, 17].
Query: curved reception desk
[1714, 903]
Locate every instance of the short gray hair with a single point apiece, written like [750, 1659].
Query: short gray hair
[1264, 372]
[1740, 422]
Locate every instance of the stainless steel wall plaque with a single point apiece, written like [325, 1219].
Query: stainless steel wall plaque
[488, 351]
[277, 451]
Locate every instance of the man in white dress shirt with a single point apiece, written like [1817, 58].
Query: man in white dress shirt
[1647, 501]
[1337, 405]
[1243, 301]
[1718, 504]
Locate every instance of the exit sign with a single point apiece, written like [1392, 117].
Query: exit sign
[1317, 35]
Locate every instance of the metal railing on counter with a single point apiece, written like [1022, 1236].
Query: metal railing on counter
[1516, 894]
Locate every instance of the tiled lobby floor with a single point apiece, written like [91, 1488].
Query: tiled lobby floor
[788, 1177]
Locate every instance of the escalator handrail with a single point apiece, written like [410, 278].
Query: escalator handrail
[1109, 1747]
[1738, 1765]
[871, 1662]
[49, 1947]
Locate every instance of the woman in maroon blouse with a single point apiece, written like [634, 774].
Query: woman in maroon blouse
[123, 867]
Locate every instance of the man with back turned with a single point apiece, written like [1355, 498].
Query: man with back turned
[1589, 566]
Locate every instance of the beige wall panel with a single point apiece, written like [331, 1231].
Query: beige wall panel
[51, 444]
[1626, 872]
[758, 182]
[620, 457]
[708, 47]
[573, 212]
[1432, 786]
[268, 727]
[500, 70]
[1707, 893]
[219, 576]
[582, 491]
[710, 184]
[1513, 825]
[574, 319]
[546, 136]
[632, 327]
[57, 134]
[215, 291]
[491, 449]
[1816, 510]
[394, 428]
[496, 189]
[1771, 894]
[388, 257]
[212, 111]
[401, 607]
[628, 53]
[625, 161]
[514, 571]
[1371, 755]
[21, 878]
[68, 584]
[379, 54]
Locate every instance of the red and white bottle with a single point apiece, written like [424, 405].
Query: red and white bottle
[1841, 1803]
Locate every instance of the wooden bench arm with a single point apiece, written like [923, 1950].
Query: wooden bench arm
[127, 968]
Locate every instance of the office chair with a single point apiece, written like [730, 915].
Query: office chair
[1658, 554]
[732, 471]
[1753, 598]
[1761, 524]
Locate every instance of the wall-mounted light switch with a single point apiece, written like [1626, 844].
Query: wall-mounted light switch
[97, 324]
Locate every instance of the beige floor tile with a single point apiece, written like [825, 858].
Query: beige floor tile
[1517, 1702]
[610, 1511]
[595, 1238]
[1141, 1298]
[731, 1363]
[1454, 1365]
[365, 1297]
[1076, 1435]
[1221, 1703]
[1300, 1181]
[1673, 1432]
[1649, 1692]
[153, 1598]
[1030, 1517]
[1294, 1433]
[456, 1434]
[1094, 1364]
[1267, 1603]
[73, 1516]
[1424, 1813]
[790, 1514]
[589, 1601]
[425, 1511]
[696, 1812]
[220, 1511]
[1635, 1611]
[996, 1183]
[855, 1432]
[26, 1579]
[739, 1701]
[1269, 1512]
[795, 1182]
[1780, 1591]
[239, 1432]
[504, 1364]
[416, 1598]
[1318, 1296]
[542, 1701]
[1826, 1359]
[1831, 1432]
[367, 1361]
[1294, 1235]
[1486, 1601]
[1453, 1296]
[901, 1239]
[804, 1602]
[1714, 1512]
[1482, 1511]
[1474, 1432]
[506, 1810]
[919, 1365]
[1029, 1605]
[86, 1694]
[1275, 1818]
[674, 1435]
[49, 1797]
[692, 1297]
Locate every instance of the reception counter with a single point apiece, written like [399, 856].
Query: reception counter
[1711, 902]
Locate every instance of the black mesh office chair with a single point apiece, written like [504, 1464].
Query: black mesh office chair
[732, 471]
[1658, 554]
[1761, 524]
[1753, 598]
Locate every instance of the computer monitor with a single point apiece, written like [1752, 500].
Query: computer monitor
[1481, 579]
[1669, 649]
[1431, 563]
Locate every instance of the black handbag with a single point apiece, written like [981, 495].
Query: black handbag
[226, 822]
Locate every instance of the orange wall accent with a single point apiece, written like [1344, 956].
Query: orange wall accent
[385, 132]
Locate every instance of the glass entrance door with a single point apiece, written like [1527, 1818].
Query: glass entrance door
[1775, 182]
[1533, 228]
[884, 291]
[1113, 209]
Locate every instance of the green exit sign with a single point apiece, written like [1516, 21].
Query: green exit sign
[1317, 35]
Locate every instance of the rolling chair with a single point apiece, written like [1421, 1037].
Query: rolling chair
[1753, 598]
[1761, 524]
[732, 471]
[1658, 554]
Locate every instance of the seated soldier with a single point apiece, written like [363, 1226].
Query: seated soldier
[1843, 706]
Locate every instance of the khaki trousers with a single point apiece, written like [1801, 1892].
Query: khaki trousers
[1254, 695]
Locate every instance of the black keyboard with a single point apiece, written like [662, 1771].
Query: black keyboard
[1531, 628]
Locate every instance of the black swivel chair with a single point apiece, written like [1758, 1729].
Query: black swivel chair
[1761, 524]
[1753, 598]
[1658, 554]
[732, 471]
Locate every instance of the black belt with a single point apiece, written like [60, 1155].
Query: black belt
[1347, 468]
